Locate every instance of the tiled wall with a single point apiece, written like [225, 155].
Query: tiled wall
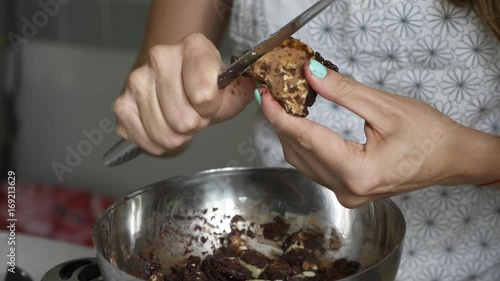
[105, 23]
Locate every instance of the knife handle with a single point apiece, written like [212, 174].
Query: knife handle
[122, 152]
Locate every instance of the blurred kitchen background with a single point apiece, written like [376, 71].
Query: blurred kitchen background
[62, 64]
[60, 72]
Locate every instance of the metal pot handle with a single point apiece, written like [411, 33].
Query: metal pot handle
[75, 270]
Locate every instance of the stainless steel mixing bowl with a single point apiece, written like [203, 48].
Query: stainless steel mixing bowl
[160, 220]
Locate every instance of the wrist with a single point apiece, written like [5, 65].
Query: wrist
[493, 183]
[476, 158]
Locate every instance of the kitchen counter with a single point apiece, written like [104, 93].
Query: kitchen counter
[37, 255]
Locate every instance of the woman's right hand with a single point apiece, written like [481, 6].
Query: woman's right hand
[175, 94]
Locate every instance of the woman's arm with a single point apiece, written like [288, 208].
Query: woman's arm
[171, 20]
[478, 159]
[410, 145]
[172, 92]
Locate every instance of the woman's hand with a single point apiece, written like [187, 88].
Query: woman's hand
[410, 145]
[175, 94]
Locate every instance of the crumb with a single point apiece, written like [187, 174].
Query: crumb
[335, 243]
[235, 260]
[277, 230]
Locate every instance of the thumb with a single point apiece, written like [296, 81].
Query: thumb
[235, 98]
[369, 103]
[302, 131]
[276, 115]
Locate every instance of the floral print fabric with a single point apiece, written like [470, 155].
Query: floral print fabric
[425, 49]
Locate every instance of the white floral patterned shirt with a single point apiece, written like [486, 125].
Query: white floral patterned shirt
[424, 49]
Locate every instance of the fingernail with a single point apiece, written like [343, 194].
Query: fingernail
[258, 97]
[317, 69]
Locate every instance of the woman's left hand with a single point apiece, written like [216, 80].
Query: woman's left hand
[410, 145]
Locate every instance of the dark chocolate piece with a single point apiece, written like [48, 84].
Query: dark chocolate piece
[234, 260]
[254, 258]
[277, 270]
[277, 230]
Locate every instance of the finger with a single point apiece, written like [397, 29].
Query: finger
[373, 105]
[235, 97]
[304, 163]
[307, 133]
[129, 125]
[351, 181]
[343, 163]
[201, 66]
[295, 159]
[319, 171]
[156, 125]
[318, 144]
[274, 113]
[177, 110]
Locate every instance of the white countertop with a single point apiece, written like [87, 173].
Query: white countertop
[37, 255]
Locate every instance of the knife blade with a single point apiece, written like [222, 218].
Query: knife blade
[239, 66]
[124, 151]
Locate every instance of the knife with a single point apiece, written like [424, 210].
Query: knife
[124, 151]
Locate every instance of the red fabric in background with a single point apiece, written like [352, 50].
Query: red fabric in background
[57, 212]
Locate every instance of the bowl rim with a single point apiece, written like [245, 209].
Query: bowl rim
[148, 187]
[153, 185]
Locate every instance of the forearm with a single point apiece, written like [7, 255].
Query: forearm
[478, 158]
[171, 20]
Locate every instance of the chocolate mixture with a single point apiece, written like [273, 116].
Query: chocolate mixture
[302, 258]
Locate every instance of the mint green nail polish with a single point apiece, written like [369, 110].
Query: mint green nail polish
[317, 69]
[258, 97]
